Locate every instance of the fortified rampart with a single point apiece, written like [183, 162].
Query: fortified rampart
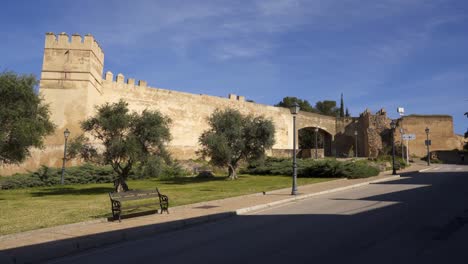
[72, 84]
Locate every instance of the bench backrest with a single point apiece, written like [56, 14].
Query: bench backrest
[134, 195]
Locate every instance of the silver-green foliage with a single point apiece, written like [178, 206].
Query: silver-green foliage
[24, 118]
[127, 138]
[234, 137]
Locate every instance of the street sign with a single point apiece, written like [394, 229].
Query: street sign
[409, 136]
[427, 142]
[401, 110]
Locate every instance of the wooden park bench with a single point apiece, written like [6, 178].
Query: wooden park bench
[121, 201]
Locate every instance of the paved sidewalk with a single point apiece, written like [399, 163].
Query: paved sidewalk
[40, 245]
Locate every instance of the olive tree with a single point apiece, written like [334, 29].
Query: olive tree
[289, 101]
[126, 138]
[234, 137]
[24, 118]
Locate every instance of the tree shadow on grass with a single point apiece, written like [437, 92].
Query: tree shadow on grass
[72, 191]
[190, 180]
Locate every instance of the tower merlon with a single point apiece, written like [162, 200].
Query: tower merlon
[109, 76]
[120, 78]
[142, 83]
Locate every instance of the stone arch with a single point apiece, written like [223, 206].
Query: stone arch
[306, 142]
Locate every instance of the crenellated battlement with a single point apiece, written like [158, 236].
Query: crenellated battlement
[120, 79]
[119, 82]
[76, 42]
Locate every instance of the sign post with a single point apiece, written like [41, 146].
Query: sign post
[401, 112]
[407, 151]
[408, 138]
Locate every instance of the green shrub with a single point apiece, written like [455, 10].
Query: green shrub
[151, 169]
[323, 169]
[45, 176]
[205, 174]
[20, 181]
[355, 170]
[328, 168]
[173, 170]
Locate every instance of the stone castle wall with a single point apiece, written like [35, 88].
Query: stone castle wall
[72, 85]
[189, 112]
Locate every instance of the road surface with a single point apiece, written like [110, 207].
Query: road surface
[420, 218]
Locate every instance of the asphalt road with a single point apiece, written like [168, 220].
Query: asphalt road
[420, 218]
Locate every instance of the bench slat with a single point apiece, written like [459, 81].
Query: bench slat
[140, 205]
[132, 194]
[134, 197]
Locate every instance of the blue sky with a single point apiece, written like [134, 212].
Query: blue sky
[389, 53]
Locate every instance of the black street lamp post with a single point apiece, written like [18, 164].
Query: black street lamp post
[355, 144]
[402, 145]
[393, 125]
[294, 111]
[427, 146]
[66, 134]
[316, 151]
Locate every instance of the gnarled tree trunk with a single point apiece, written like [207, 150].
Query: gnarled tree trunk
[232, 172]
[120, 185]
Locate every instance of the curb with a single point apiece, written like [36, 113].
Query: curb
[305, 196]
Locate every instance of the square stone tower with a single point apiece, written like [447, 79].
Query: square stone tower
[71, 75]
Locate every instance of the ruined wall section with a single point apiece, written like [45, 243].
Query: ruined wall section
[375, 130]
[345, 138]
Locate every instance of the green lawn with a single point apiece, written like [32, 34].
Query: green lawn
[33, 208]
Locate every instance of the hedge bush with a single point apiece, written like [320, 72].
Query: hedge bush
[46, 176]
[328, 168]
[84, 174]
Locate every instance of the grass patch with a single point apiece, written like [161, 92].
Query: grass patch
[39, 207]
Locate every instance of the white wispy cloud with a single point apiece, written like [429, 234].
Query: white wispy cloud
[230, 26]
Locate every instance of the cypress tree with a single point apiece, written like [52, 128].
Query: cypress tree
[342, 114]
